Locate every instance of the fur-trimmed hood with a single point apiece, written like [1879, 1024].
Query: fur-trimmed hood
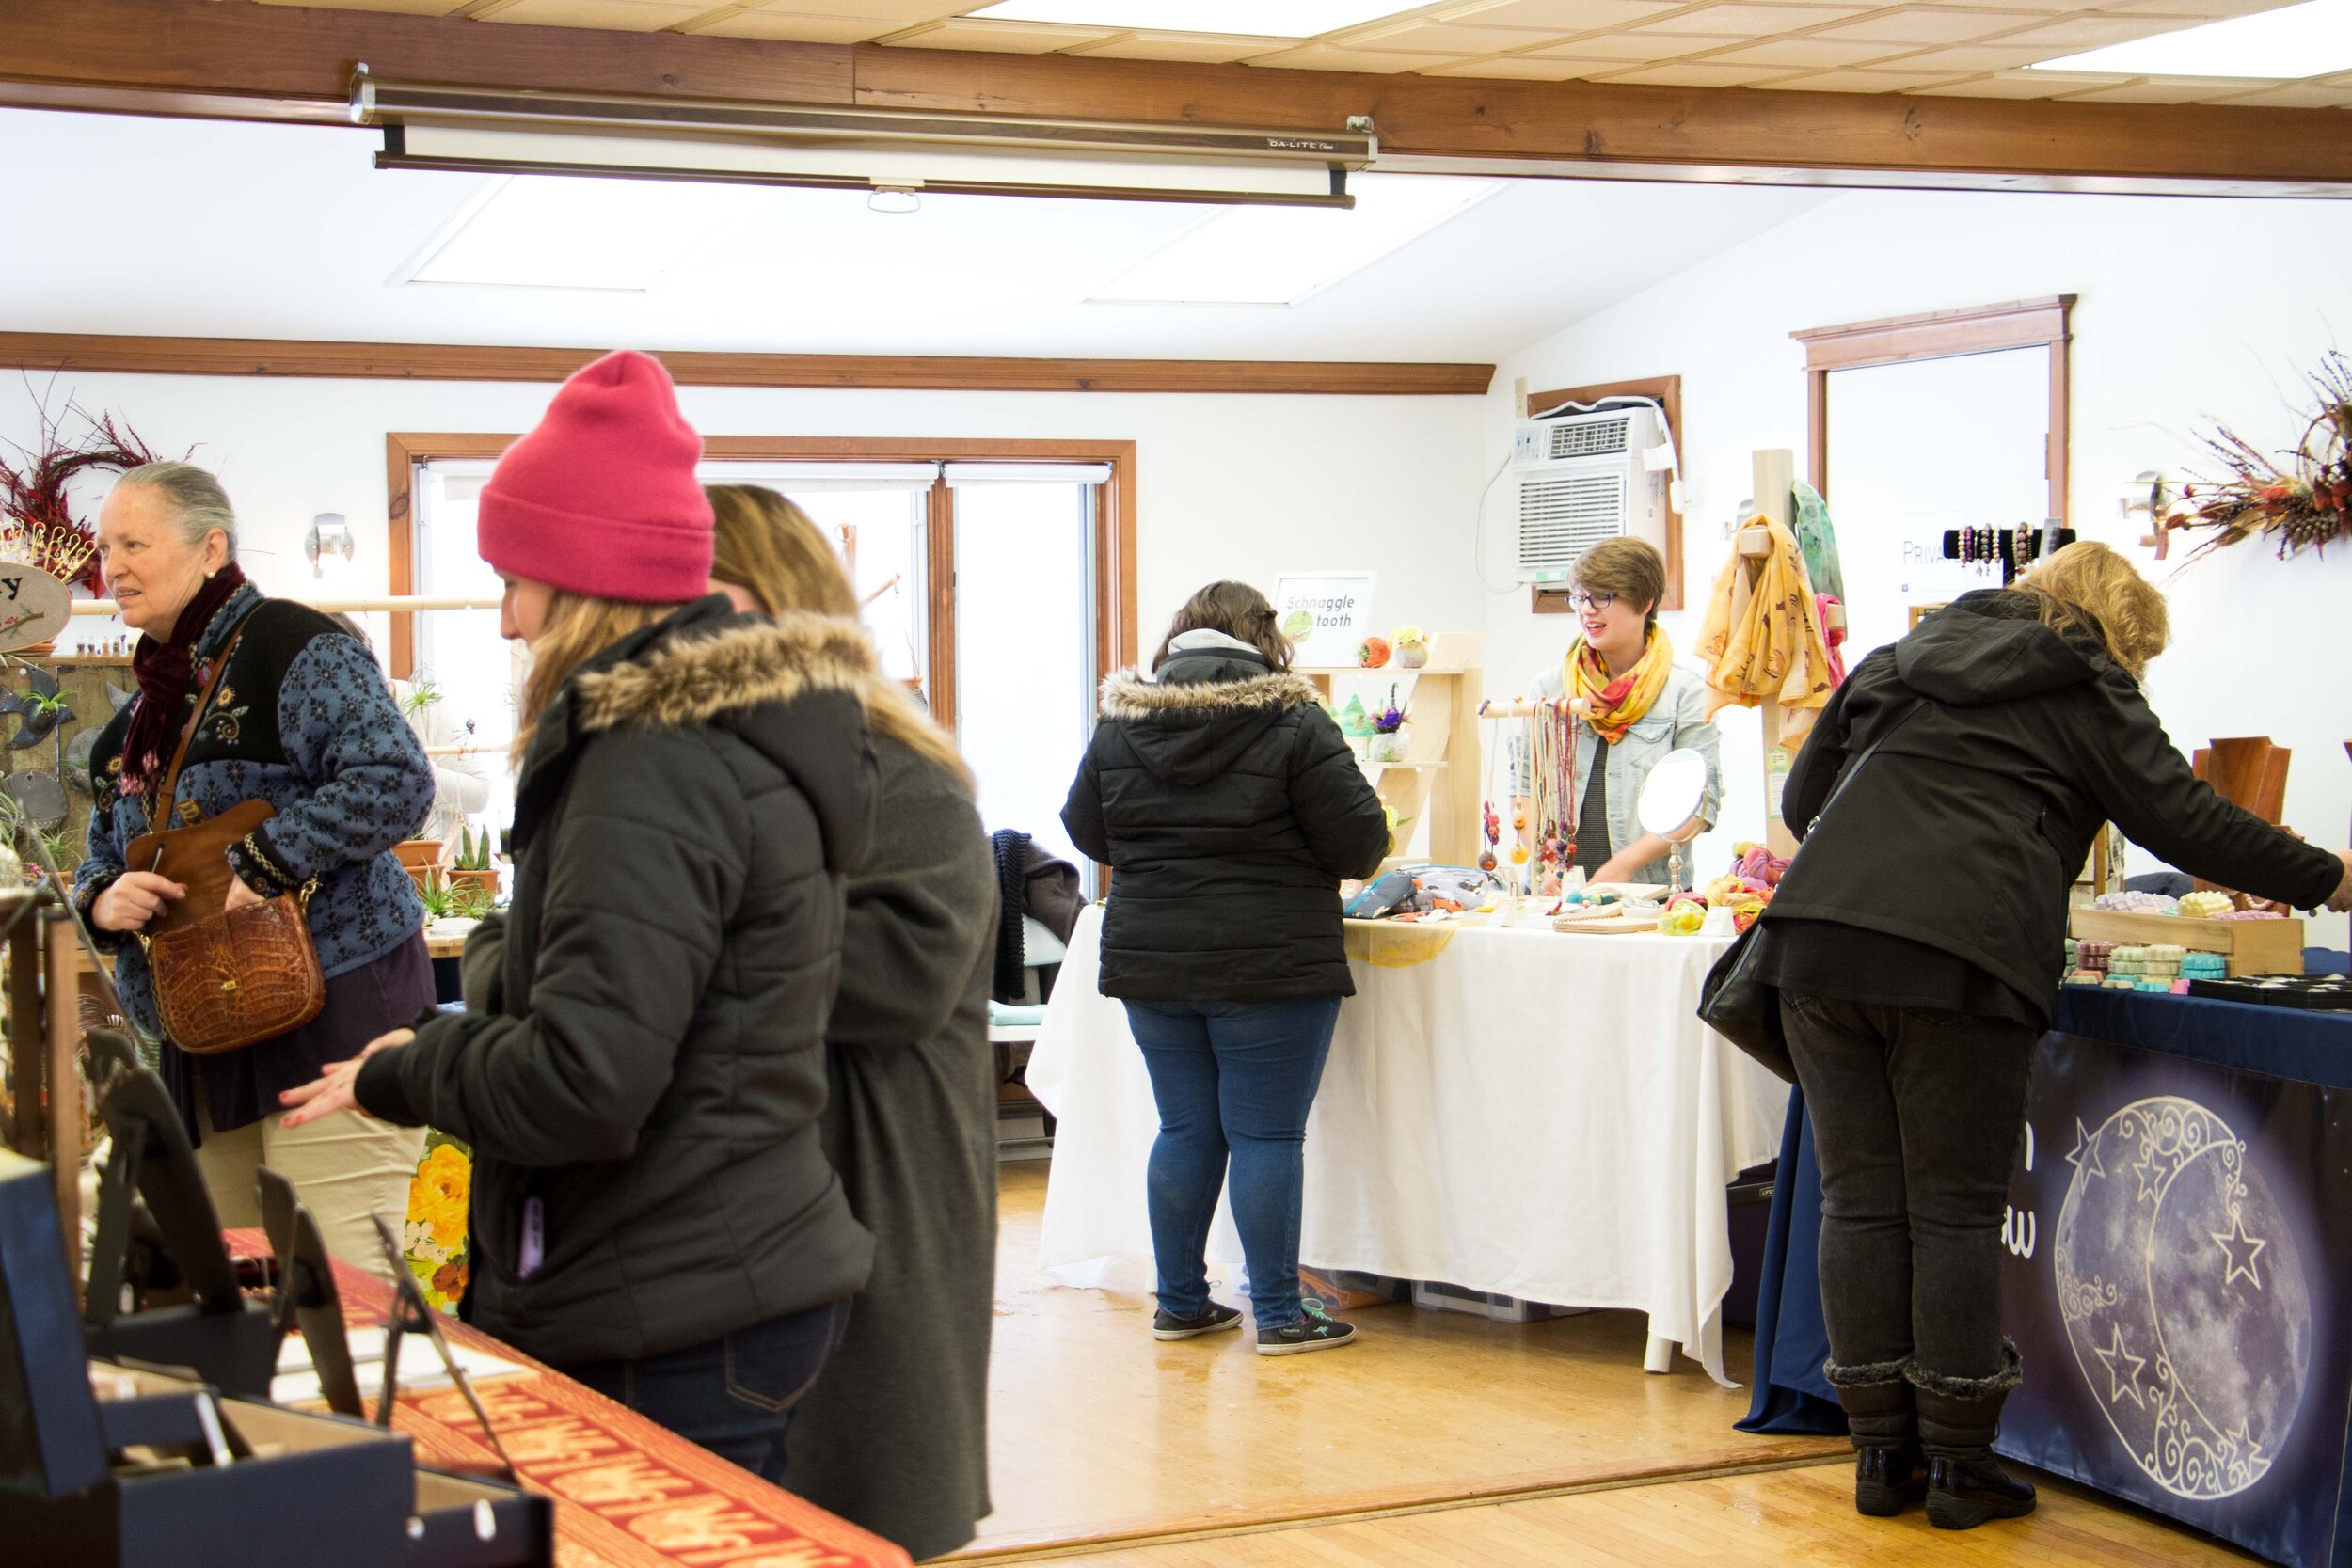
[1132, 695]
[1190, 731]
[696, 678]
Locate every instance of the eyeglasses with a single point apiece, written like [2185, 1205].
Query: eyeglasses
[1581, 600]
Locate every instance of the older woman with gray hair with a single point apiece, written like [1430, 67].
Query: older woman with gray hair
[299, 717]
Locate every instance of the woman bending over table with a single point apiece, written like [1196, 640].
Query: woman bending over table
[1229, 809]
[1916, 944]
[1642, 705]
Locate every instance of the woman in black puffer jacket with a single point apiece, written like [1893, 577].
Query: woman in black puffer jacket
[1228, 807]
[642, 1066]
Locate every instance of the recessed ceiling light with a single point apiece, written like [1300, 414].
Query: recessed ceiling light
[2314, 38]
[1286, 254]
[549, 231]
[1281, 19]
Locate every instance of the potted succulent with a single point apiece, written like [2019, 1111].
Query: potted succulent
[424, 859]
[1389, 742]
[473, 868]
[1412, 647]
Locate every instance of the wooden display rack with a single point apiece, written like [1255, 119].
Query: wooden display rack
[2251, 946]
[1438, 777]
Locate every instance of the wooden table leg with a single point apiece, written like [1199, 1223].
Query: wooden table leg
[28, 1136]
[63, 995]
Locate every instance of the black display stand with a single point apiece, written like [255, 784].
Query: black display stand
[2016, 548]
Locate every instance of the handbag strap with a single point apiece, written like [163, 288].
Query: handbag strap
[160, 821]
[1855, 767]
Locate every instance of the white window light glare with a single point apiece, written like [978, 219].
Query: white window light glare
[1287, 255]
[1280, 19]
[2314, 38]
[561, 232]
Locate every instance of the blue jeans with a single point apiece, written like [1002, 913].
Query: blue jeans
[734, 1396]
[1231, 1078]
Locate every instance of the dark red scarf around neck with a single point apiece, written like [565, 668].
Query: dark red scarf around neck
[167, 673]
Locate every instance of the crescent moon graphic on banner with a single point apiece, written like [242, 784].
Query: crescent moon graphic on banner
[2184, 1296]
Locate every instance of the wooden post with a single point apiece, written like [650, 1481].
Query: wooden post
[62, 993]
[28, 1137]
[1775, 472]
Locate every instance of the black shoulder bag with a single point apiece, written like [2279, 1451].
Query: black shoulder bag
[1733, 1000]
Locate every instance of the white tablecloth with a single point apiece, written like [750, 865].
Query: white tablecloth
[1527, 1112]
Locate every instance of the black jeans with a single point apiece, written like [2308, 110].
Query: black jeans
[1916, 1116]
[734, 1396]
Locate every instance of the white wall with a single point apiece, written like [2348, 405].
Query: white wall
[2190, 310]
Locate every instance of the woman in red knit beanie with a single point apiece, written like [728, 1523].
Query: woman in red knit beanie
[640, 1064]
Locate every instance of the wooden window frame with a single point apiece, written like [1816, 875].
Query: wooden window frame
[1115, 519]
[2046, 322]
[1667, 389]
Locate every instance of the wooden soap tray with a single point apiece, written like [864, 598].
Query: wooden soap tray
[2251, 946]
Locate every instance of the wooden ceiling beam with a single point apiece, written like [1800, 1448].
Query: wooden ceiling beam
[268, 357]
[238, 59]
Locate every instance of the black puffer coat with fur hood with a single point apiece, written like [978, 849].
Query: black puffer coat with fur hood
[646, 1060]
[1228, 807]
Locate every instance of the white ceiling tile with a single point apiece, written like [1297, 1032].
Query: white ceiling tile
[411, 7]
[999, 38]
[2030, 84]
[1636, 46]
[909, 10]
[626, 16]
[795, 28]
[1696, 73]
[2170, 89]
[1806, 52]
[1738, 19]
[1196, 48]
[1975, 56]
[1527, 67]
[2073, 34]
[1449, 37]
[2294, 95]
[1560, 16]
[1324, 56]
[2201, 9]
[1919, 25]
[1859, 81]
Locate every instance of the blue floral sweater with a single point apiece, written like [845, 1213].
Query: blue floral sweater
[304, 719]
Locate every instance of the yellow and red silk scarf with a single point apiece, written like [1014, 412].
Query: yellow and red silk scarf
[1614, 707]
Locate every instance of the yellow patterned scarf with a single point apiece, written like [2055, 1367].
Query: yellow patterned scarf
[1614, 707]
[1762, 637]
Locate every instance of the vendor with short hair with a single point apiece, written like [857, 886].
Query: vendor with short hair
[1640, 706]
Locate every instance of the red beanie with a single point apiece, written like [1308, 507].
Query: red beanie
[601, 498]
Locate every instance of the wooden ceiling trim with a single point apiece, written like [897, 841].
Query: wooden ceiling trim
[265, 357]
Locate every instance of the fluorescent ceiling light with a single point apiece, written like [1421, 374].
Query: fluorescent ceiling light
[1280, 19]
[1284, 256]
[536, 232]
[2314, 38]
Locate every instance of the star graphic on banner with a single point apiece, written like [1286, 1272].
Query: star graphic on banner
[2122, 1370]
[2244, 1438]
[2240, 1251]
[2151, 1177]
[2086, 1155]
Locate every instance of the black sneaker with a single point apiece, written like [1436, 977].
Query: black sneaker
[1168, 1326]
[1313, 1332]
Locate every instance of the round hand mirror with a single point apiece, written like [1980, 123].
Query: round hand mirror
[1672, 796]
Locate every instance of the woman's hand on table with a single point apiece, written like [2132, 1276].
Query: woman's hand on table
[134, 898]
[334, 1089]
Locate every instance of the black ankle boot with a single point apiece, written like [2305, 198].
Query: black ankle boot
[1958, 1418]
[1879, 1416]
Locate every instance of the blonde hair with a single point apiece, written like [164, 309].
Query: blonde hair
[763, 542]
[2089, 587]
[579, 626]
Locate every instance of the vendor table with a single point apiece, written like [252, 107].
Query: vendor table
[2179, 1278]
[1510, 1111]
[628, 1493]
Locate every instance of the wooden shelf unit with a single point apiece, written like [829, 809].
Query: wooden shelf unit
[1438, 777]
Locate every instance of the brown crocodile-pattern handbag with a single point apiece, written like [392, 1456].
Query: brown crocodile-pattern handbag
[224, 978]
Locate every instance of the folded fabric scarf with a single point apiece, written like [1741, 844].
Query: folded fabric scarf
[1615, 706]
[166, 677]
[1763, 637]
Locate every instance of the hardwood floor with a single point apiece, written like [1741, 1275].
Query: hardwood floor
[1440, 1439]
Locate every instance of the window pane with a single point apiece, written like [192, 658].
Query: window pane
[459, 652]
[879, 535]
[1024, 649]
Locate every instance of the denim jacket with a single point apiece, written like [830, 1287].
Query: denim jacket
[304, 719]
[1676, 721]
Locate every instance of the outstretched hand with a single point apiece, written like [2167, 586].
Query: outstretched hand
[334, 1089]
[2341, 900]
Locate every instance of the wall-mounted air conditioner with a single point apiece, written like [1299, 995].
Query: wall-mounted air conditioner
[1584, 479]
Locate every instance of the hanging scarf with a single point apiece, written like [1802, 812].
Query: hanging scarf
[1763, 636]
[1615, 706]
[166, 676]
